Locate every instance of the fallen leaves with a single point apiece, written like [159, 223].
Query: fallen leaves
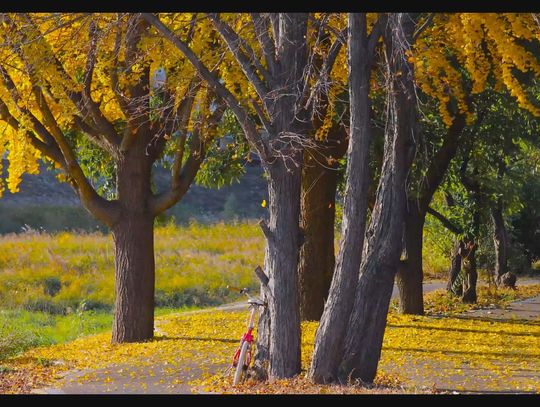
[419, 354]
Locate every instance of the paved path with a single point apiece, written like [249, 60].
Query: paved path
[162, 379]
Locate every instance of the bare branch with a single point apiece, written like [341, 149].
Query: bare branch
[423, 27]
[185, 112]
[183, 176]
[274, 20]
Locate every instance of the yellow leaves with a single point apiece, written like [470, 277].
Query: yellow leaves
[417, 351]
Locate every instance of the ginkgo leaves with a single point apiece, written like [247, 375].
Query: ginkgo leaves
[480, 47]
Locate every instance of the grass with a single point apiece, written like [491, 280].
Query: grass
[21, 329]
[57, 273]
[57, 287]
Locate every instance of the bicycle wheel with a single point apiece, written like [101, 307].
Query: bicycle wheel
[240, 364]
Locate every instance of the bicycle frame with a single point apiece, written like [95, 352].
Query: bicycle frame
[247, 337]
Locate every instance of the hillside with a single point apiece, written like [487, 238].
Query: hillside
[44, 203]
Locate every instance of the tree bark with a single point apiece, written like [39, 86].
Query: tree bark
[134, 248]
[500, 240]
[134, 279]
[320, 177]
[281, 262]
[380, 261]
[410, 276]
[455, 269]
[331, 331]
[470, 274]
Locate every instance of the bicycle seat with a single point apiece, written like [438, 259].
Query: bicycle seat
[257, 302]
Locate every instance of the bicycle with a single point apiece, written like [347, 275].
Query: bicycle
[242, 356]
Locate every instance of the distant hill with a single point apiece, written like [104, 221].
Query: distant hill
[45, 203]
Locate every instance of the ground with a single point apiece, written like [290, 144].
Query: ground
[481, 350]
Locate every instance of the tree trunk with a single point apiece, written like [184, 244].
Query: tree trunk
[455, 269]
[134, 248]
[331, 331]
[363, 342]
[500, 240]
[470, 275]
[134, 279]
[317, 217]
[281, 263]
[410, 277]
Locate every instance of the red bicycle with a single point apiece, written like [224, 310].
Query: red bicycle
[242, 356]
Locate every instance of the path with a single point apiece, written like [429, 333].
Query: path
[161, 378]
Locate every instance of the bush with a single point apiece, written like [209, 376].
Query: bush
[52, 286]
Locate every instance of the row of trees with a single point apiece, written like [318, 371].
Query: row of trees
[395, 98]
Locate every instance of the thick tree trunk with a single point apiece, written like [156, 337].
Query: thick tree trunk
[134, 279]
[334, 321]
[410, 277]
[500, 240]
[284, 179]
[317, 222]
[281, 261]
[317, 218]
[380, 261]
[134, 247]
[455, 269]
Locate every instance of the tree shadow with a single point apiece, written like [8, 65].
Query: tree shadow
[464, 330]
[461, 352]
[194, 338]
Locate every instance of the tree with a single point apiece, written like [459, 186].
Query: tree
[274, 53]
[363, 342]
[330, 333]
[79, 87]
[320, 177]
[465, 53]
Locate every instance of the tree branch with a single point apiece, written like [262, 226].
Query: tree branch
[115, 85]
[444, 221]
[266, 230]
[234, 42]
[249, 128]
[91, 106]
[375, 34]
[136, 107]
[440, 162]
[181, 183]
[183, 176]
[49, 150]
[261, 27]
[425, 25]
[86, 108]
